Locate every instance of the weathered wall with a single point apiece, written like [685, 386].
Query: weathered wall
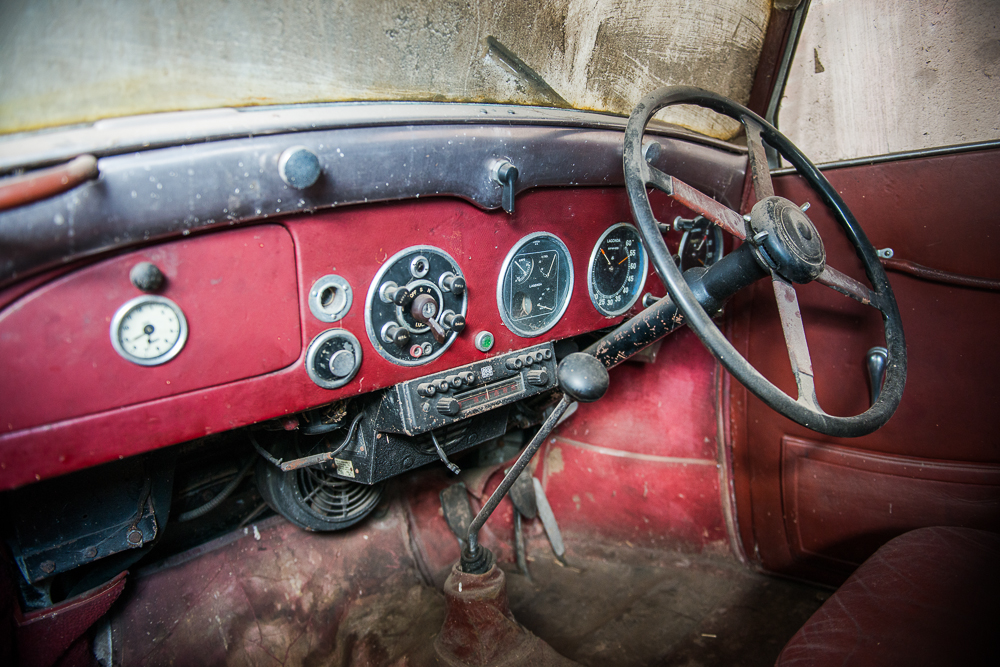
[871, 78]
[66, 61]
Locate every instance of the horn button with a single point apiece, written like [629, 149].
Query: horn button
[785, 240]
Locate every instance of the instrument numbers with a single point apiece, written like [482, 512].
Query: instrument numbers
[617, 271]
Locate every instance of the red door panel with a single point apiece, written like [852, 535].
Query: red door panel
[818, 509]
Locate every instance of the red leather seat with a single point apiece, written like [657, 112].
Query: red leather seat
[929, 597]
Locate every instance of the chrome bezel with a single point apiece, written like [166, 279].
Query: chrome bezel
[415, 269]
[504, 315]
[323, 314]
[373, 293]
[719, 241]
[313, 350]
[131, 305]
[592, 289]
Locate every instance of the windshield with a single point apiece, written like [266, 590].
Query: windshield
[72, 61]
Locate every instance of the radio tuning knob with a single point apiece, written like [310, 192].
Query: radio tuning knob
[538, 378]
[448, 406]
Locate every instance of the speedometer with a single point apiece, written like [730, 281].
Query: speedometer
[536, 281]
[617, 270]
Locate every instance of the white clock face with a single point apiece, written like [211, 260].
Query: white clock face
[149, 330]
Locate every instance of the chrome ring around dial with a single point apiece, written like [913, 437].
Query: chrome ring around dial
[535, 284]
[617, 270]
[149, 330]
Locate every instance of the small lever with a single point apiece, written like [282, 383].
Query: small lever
[425, 309]
[877, 360]
[684, 224]
[505, 174]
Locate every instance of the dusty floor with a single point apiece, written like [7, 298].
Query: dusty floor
[610, 608]
[276, 595]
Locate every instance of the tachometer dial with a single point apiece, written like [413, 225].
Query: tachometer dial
[149, 330]
[617, 270]
[536, 281]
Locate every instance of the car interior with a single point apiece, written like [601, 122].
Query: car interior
[437, 333]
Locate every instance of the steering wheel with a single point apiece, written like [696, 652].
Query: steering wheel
[785, 246]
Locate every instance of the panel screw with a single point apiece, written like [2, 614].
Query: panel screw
[48, 566]
[91, 552]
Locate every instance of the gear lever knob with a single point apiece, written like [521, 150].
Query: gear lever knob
[582, 377]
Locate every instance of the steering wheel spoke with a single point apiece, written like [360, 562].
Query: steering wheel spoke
[848, 286]
[795, 341]
[697, 201]
[760, 172]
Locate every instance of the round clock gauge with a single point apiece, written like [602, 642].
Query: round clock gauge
[617, 270]
[149, 330]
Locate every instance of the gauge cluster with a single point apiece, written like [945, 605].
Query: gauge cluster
[272, 319]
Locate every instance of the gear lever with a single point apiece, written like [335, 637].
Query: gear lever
[582, 378]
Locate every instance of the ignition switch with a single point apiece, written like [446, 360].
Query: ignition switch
[425, 310]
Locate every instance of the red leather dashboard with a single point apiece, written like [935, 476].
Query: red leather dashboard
[69, 401]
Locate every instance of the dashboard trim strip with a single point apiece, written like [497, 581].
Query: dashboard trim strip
[157, 194]
[118, 136]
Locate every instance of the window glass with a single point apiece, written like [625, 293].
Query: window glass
[72, 61]
[871, 78]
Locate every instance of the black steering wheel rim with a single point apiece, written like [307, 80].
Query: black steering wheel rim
[805, 410]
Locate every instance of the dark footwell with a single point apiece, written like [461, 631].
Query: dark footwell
[613, 609]
[276, 595]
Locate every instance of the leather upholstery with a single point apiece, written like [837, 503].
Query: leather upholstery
[928, 597]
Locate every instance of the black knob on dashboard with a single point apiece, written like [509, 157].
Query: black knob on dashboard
[426, 389]
[514, 363]
[454, 284]
[396, 334]
[455, 381]
[393, 293]
[582, 377]
[448, 406]
[454, 321]
[538, 378]
[469, 377]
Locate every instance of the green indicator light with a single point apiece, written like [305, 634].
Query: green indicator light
[484, 341]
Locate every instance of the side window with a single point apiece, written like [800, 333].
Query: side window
[872, 78]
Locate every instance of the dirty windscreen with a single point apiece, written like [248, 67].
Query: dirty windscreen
[73, 61]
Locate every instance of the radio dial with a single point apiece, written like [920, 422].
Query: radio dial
[448, 406]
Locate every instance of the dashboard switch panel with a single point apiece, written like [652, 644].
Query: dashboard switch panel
[416, 306]
[441, 399]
